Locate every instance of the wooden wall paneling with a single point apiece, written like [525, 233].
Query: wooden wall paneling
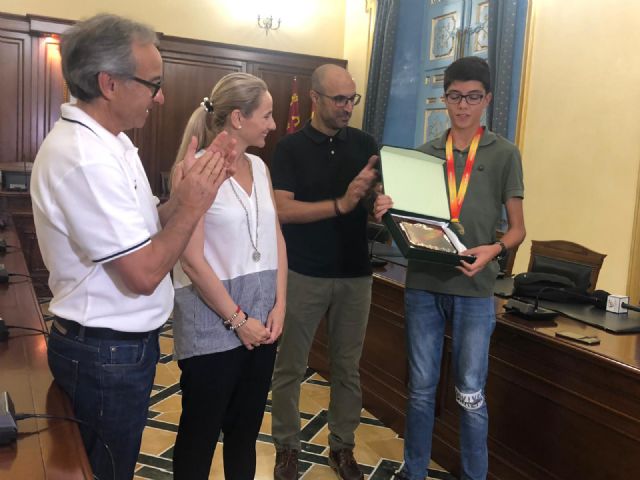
[49, 88]
[278, 74]
[276, 68]
[279, 79]
[188, 81]
[187, 78]
[15, 93]
[34, 88]
[250, 56]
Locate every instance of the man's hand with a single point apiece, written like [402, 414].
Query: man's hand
[196, 180]
[381, 205]
[483, 253]
[275, 322]
[225, 145]
[359, 186]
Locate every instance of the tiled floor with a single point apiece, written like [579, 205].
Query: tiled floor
[378, 449]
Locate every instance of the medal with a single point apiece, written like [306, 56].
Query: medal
[256, 256]
[456, 197]
[457, 226]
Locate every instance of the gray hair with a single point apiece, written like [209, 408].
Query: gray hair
[100, 44]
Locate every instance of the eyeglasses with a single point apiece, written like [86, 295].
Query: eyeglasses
[456, 97]
[341, 101]
[154, 86]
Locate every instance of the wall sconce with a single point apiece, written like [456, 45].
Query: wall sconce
[267, 24]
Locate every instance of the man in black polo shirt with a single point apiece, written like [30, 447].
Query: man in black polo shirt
[320, 175]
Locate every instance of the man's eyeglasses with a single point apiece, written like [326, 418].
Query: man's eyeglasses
[456, 97]
[340, 100]
[154, 86]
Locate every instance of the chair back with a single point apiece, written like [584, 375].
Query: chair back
[568, 259]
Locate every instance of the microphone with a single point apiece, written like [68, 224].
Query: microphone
[600, 299]
[579, 297]
[612, 303]
[527, 310]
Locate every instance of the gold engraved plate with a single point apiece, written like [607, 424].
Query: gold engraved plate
[427, 236]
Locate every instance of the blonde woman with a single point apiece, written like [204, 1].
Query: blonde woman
[230, 288]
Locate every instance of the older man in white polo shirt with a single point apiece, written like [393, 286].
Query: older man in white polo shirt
[106, 243]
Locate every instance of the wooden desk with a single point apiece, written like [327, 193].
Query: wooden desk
[50, 449]
[558, 410]
[16, 206]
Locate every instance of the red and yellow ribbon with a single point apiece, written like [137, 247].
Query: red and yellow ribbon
[456, 197]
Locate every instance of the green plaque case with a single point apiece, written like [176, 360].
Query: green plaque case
[416, 183]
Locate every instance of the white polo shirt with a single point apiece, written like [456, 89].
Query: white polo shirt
[92, 203]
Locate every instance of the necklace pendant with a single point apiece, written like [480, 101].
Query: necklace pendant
[256, 256]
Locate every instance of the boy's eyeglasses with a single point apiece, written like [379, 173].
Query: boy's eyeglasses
[471, 98]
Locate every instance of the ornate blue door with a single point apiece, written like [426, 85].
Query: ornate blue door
[454, 28]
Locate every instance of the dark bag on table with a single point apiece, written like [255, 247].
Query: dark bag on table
[548, 286]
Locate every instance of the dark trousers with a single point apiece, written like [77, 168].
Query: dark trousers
[109, 383]
[226, 392]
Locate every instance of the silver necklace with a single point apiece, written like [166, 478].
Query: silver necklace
[256, 253]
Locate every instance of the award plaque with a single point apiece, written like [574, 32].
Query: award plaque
[419, 221]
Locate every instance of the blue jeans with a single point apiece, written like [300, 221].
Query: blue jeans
[109, 383]
[473, 320]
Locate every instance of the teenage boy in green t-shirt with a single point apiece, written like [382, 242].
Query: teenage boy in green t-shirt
[483, 172]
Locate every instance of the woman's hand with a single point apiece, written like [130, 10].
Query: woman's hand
[252, 334]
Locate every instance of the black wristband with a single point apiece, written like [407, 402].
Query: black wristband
[503, 249]
[336, 208]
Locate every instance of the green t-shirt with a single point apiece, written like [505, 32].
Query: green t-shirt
[496, 177]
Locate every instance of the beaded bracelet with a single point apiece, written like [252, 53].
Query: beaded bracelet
[233, 328]
[228, 322]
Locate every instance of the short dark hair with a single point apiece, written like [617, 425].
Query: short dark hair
[102, 43]
[468, 68]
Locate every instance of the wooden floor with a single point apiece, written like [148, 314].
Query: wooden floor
[378, 449]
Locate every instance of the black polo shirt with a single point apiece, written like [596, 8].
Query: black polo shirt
[317, 167]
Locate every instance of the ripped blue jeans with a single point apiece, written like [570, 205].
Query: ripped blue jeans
[473, 320]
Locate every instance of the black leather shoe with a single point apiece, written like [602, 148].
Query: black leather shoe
[345, 466]
[286, 467]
